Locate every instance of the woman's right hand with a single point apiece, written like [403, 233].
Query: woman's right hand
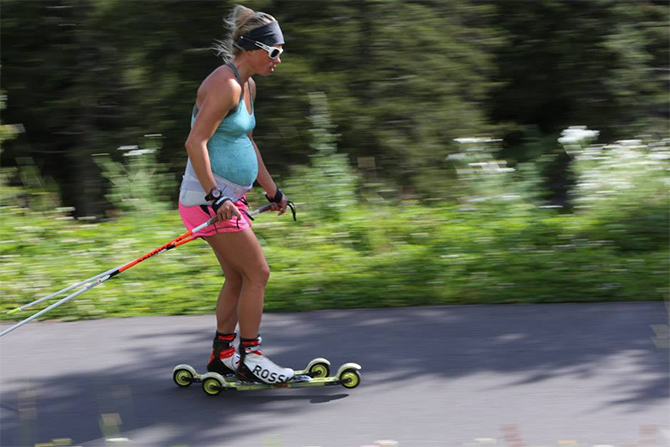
[225, 209]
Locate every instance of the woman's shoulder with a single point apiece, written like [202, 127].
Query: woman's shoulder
[221, 81]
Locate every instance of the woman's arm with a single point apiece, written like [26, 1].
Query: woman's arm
[264, 178]
[218, 94]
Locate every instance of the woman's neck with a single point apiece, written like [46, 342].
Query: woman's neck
[243, 68]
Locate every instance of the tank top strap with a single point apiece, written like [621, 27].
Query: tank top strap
[237, 76]
[251, 96]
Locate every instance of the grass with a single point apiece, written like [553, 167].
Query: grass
[375, 256]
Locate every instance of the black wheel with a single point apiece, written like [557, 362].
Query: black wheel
[319, 370]
[211, 386]
[183, 377]
[350, 378]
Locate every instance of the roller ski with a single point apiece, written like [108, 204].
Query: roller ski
[250, 370]
[315, 374]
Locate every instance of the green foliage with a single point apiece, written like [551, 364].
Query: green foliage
[7, 132]
[394, 255]
[493, 247]
[399, 100]
[36, 192]
[600, 63]
[404, 82]
[140, 183]
[403, 79]
[109, 79]
[623, 187]
[328, 185]
[482, 177]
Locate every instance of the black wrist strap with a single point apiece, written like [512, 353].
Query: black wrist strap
[279, 195]
[277, 198]
[217, 204]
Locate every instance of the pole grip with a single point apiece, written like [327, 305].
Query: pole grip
[262, 209]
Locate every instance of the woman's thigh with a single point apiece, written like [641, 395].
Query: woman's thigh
[229, 271]
[241, 252]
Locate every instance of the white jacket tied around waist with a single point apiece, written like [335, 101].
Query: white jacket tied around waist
[191, 192]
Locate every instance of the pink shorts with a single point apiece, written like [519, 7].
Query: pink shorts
[192, 216]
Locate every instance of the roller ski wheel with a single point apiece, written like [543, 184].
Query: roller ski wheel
[213, 385]
[317, 368]
[184, 376]
[350, 378]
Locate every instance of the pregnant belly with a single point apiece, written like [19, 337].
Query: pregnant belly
[233, 159]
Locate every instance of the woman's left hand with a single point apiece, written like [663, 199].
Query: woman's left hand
[279, 201]
[281, 206]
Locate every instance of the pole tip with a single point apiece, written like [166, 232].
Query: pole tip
[13, 311]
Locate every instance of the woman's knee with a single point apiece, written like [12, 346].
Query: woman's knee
[259, 275]
[232, 275]
[233, 282]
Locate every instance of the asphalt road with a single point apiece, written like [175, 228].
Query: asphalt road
[540, 375]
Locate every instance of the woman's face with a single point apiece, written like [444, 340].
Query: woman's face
[262, 62]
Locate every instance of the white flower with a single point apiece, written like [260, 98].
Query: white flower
[577, 134]
[137, 152]
[475, 140]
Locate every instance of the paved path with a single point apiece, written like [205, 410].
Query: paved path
[540, 375]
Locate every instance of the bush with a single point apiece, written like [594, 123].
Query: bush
[494, 245]
[622, 188]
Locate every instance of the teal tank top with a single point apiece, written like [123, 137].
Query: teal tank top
[231, 153]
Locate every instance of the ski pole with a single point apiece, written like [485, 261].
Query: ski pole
[81, 283]
[93, 278]
[99, 279]
[54, 305]
[102, 277]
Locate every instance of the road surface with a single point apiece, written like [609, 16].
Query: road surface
[508, 375]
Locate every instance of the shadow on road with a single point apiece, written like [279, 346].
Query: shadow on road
[530, 343]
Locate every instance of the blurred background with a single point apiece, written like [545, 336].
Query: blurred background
[467, 151]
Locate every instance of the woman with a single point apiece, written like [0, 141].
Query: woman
[223, 163]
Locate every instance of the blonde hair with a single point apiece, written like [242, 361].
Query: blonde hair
[240, 21]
